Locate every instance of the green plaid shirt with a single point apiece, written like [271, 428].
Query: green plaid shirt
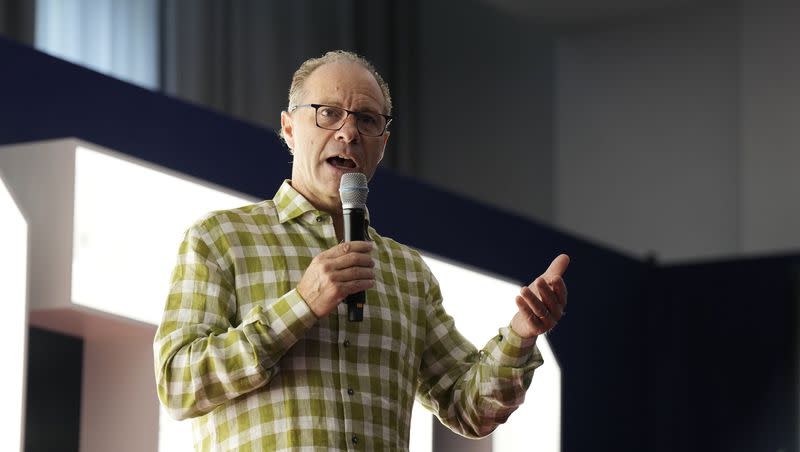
[240, 351]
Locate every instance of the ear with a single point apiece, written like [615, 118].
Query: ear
[383, 148]
[288, 130]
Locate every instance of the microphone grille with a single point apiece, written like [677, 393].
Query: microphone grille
[353, 191]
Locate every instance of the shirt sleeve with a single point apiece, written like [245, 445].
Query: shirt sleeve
[472, 391]
[201, 358]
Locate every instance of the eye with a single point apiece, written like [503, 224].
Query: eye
[331, 113]
[369, 119]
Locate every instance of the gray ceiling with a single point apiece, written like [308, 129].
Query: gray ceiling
[575, 12]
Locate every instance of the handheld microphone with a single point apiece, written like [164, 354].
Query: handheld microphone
[353, 192]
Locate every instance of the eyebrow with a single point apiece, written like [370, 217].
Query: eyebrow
[360, 110]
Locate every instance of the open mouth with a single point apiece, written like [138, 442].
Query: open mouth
[342, 162]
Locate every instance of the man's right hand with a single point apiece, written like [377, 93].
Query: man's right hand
[336, 273]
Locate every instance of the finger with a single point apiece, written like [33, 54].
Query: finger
[558, 266]
[548, 298]
[359, 285]
[353, 274]
[357, 246]
[534, 303]
[559, 287]
[523, 306]
[352, 259]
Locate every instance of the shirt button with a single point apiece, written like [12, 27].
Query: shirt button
[354, 439]
[350, 391]
[346, 343]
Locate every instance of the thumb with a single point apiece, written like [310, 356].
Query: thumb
[558, 266]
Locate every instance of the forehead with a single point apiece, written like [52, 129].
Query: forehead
[345, 82]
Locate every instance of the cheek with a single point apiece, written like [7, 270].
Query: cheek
[377, 155]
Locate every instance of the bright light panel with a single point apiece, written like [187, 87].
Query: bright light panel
[480, 304]
[13, 284]
[129, 221]
[174, 436]
[421, 436]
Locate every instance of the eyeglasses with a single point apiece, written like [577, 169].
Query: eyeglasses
[333, 118]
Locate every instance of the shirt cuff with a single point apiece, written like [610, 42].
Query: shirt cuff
[294, 312]
[285, 320]
[513, 350]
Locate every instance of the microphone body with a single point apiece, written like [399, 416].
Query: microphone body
[354, 229]
[353, 191]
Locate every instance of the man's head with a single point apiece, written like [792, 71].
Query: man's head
[351, 85]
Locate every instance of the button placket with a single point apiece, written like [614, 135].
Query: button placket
[349, 361]
[345, 350]
[328, 232]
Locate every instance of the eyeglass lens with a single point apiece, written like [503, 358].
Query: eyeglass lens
[333, 118]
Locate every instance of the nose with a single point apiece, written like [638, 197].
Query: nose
[349, 130]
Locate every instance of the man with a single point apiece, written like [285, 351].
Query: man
[255, 344]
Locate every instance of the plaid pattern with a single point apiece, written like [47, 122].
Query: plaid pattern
[239, 350]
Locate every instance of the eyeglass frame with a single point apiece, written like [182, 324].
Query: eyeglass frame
[316, 107]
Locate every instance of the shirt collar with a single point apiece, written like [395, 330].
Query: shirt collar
[291, 204]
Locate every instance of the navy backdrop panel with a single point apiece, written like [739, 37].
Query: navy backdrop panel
[53, 401]
[729, 378]
[42, 97]
[621, 353]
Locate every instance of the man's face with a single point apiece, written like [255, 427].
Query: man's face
[321, 156]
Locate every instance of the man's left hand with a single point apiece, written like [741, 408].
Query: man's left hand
[541, 304]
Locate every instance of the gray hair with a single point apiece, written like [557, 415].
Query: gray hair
[311, 64]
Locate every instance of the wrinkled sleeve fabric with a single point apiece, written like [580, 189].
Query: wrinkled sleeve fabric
[203, 359]
[472, 391]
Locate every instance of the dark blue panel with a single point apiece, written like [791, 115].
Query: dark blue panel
[42, 97]
[729, 370]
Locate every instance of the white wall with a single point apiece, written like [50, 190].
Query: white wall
[770, 126]
[119, 405]
[673, 134]
[680, 135]
[647, 145]
[483, 113]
